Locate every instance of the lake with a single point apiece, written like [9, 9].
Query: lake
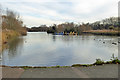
[42, 49]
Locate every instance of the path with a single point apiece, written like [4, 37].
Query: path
[105, 71]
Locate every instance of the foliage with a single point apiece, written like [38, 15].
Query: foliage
[11, 21]
[12, 26]
[111, 27]
[99, 62]
[76, 65]
[106, 24]
[103, 32]
[81, 65]
[115, 60]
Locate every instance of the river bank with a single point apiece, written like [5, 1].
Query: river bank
[6, 36]
[9, 35]
[94, 32]
[103, 32]
[12, 26]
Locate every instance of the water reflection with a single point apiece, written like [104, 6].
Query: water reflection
[15, 46]
[54, 38]
[14, 49]
[42, 49]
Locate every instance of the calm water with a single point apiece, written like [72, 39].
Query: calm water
[42, 49]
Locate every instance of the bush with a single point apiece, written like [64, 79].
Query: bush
[99, 62]
[111, 27]
[115, 60]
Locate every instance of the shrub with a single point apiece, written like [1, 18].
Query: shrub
[115, 60]
[99, 62]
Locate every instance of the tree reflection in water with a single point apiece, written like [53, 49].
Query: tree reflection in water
[13, 48]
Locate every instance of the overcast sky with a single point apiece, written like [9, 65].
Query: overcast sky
[38, 12]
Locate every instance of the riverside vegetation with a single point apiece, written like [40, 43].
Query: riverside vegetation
[12, 26]
[108, 26]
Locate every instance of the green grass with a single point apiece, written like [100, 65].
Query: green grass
[81, 65]
[115, 60]
[99, 62]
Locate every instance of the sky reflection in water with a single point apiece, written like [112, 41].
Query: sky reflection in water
[42, 49]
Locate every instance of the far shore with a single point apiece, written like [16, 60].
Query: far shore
[94, 32]
[103, 32]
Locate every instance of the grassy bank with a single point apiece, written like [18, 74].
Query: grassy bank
[8, 35]
[12, 26]
[103, 32]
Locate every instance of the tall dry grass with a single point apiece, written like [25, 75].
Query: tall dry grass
[8, 34]
[103, 32]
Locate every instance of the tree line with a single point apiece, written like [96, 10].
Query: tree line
[111, 23]
[12, 21]
[42, 28]
[105, 24]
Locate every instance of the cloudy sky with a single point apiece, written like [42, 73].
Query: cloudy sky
[38, 12]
